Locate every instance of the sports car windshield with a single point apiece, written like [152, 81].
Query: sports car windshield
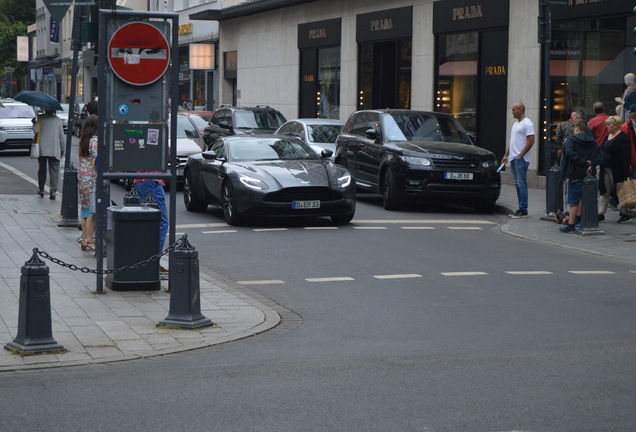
[270, 149]
[422, 127]
[269, 119]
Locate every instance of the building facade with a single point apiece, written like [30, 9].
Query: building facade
[471, 58]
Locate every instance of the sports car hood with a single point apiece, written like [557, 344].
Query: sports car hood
[293, 173]
[421, 148]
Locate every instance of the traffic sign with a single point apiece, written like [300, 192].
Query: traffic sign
[138, 53]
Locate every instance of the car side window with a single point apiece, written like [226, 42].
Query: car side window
[287, 129]
[364, 122]
[221, 116]
[218, 148]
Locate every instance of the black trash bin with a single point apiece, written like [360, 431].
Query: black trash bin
[133, 237]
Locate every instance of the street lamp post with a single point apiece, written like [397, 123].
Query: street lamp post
[69, 194]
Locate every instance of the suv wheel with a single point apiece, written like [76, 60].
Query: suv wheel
[390, 192]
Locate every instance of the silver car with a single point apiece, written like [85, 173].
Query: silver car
[319, 134]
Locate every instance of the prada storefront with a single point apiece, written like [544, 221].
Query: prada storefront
[319, 45]
[384, 58]
[590, 53]
[471, 55]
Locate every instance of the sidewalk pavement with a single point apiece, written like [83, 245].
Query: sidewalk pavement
[96, 328]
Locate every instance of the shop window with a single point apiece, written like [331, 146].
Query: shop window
[384, 74]
[588, 60]
[457, 71]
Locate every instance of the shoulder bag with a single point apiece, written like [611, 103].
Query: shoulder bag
[626, 192]
[35, 147]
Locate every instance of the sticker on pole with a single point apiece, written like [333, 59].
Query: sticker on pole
[138, 53]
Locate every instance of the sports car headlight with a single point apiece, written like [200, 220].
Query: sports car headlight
[253, 183]
[417, 161]
[344, 181]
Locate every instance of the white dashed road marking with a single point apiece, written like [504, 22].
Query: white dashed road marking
[269, 229]
[370, 228]
[464, 228]
[398, 276]
[418, 228]
[330, 279]
[464, 274]
[261, 282]
[219, 232]
[538, 272]
[591, 272]
[322, 228]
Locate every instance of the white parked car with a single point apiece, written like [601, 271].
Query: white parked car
[16, 126]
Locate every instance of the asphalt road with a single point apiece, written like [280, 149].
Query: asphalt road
[427, 320]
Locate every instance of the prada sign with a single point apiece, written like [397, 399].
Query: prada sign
[465, 15]
[385, 25]
[319, 34]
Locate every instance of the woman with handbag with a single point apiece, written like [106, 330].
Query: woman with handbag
[615, 166]
[86, 176]
[50, 136]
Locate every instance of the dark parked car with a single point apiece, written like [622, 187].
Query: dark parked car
[268, 176]
[416, 155]
[229, 120]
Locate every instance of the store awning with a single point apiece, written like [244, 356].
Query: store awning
[570, 68]
[468, 67]
[245, 9]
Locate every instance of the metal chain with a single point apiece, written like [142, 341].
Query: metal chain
[73, 267]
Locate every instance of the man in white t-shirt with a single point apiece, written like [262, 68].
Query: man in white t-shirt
[518, 152]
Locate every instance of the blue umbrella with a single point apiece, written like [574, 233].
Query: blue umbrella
[38, 99]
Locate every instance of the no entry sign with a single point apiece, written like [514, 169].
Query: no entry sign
[138, 53]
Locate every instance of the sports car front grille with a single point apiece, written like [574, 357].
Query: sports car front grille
[303, 194]
[457, 164]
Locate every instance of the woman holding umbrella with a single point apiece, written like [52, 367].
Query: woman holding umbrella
[52, 143]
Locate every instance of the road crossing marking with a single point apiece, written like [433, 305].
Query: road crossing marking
[219, 232]
[591, 272]
[262, 282]
[398, 276]
[536, 272]
[330, 279]
[464, 274]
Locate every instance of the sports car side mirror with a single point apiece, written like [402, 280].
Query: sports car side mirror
[209, 155]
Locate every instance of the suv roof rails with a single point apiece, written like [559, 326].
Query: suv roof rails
[226, 106]
[263, 106]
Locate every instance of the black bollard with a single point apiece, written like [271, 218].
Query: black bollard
[553, 193]
[34, 316]
[185, 297]
[69, 198]
[589, 207]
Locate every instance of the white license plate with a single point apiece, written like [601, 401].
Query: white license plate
[299, 205]
[179, 172]
[458, 176]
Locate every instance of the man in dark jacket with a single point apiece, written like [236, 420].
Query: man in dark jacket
[582, 156]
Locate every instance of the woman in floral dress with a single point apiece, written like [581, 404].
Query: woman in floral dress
[86, 176]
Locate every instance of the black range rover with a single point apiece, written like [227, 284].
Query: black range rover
[417, 155]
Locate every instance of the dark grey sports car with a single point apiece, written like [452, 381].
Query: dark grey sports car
[268, 176]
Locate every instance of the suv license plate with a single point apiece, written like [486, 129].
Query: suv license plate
[458, 176]
[299, 205]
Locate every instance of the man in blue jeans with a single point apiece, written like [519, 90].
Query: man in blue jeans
[154, 188]
[518, 153]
